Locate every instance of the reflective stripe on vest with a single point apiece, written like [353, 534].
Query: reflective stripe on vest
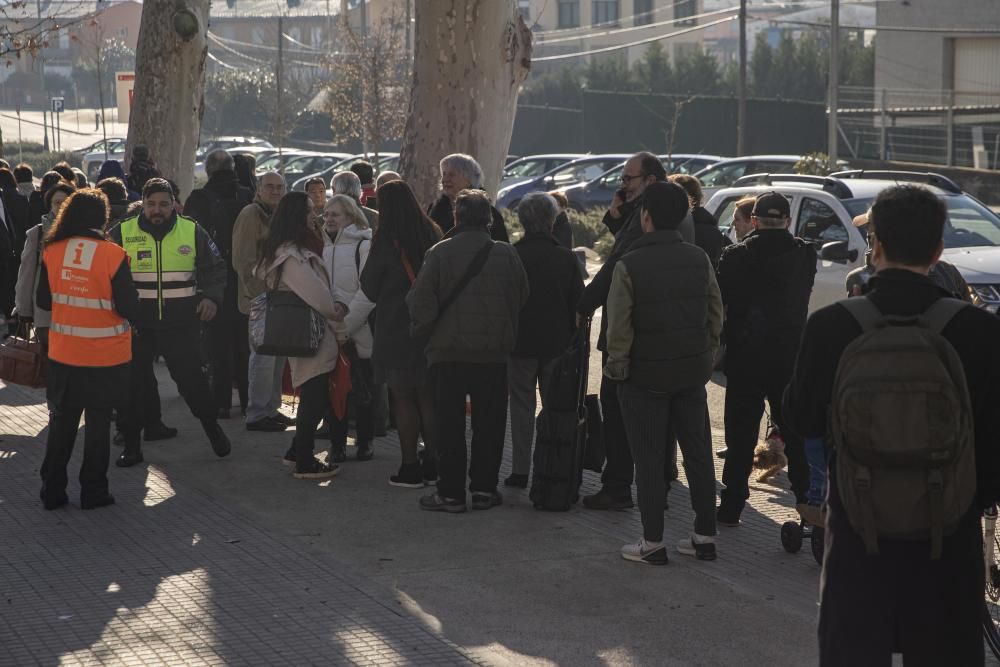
[89, 332]
[164, 269]
[85, 331]
[83, 302]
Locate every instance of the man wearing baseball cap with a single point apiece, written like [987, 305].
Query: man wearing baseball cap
[766, 280]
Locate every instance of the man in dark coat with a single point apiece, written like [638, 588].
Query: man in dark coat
[766, 282]
[623, 219]
[461, 172]
[900, 600]
[215, 207]
[546, 324]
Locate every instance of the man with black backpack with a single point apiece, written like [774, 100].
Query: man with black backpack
[216, 207]
[904, 383]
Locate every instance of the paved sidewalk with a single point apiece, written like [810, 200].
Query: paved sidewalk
[176, 578]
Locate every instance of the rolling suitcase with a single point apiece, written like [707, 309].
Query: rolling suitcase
[561, 428]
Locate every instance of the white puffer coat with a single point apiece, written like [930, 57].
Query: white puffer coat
[350, 252]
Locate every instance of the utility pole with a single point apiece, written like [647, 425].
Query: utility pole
[832, 129]
[741, 110]
[277, 79]
[409, 20]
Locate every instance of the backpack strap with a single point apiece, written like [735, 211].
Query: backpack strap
[864, 311]
[357, 257]
[941, 312]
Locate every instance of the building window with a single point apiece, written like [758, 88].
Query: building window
[605, 11]
[64, 39]
[643, 12]
[317, 36]
[524, 9]
[569, 13]
[685, 8]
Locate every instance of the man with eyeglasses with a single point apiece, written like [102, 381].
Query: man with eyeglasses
[623, 219]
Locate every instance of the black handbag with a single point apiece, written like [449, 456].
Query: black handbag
[283, 325]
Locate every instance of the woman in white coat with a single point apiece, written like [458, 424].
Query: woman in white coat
[352, 239]
[292, 259]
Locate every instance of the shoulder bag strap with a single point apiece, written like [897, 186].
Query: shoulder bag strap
[475, 266]
[410, 275]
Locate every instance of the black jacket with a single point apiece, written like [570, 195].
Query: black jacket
[548, 319]
[627, 230]
[441, 212]
[17, 209]
[215, 207]
[707, 234]
[562, 231]
[210, 279]
[951, 584]
[766, 281]
[36, 208]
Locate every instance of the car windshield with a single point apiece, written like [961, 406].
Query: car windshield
[721, 175]
[576, 173]
[526, 169]
[969, 222]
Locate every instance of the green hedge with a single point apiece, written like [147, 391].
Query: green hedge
[39, 159]
[588, 230]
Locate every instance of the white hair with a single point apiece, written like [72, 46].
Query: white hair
[467, 165]
[537, 212]
[346, 183]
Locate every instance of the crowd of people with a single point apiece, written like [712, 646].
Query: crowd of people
[437, 315]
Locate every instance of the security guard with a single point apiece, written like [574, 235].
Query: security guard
[181, 280]
[86, 284]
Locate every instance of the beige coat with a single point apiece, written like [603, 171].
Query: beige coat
[251, 227]
[29, 272]
[308, 275]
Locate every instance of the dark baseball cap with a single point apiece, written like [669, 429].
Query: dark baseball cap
[771, 205]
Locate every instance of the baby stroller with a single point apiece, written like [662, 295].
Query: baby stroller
[812, 514]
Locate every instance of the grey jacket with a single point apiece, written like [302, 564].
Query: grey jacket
[481, 324]
[28, 272]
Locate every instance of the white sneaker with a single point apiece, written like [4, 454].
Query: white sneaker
[652, 553]
[701, 547]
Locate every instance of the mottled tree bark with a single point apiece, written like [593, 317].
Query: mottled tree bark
[470, 59]
[169, 89]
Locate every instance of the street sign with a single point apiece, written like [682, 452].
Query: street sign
[58, 104]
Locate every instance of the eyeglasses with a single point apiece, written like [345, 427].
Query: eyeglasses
[625, 179]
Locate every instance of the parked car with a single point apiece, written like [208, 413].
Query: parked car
[724, 173]
[91, 163]
[304, 165]
[258, 152]
[230, 142]
[599, 192]
[386, 162]
[533, 166]
[822, 210]
[278, 161]
[112, 144]
[576, 171]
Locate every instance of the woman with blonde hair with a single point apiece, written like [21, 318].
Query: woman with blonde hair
[347, 225]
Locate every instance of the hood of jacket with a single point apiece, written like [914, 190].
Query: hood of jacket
[111, 169]
[352, 234]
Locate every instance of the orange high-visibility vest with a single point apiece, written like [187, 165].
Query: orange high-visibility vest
[85, 329]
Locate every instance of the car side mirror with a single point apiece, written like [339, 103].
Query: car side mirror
[837, 251]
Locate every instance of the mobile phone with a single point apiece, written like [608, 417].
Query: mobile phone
[621, 194]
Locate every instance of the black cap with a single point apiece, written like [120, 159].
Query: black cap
[771, 205]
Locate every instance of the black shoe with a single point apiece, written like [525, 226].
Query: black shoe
[436, 503]
[218, 437]
[283, 419]
[289, 458]
[338, 453]
[603, 500]
[381, 431]
[102, 501]
[223, 413]
[315, 470]
[519, 481]
[410, 476]
[158, 431]
[323, 431]
[721, 453]
[365, 451]
[54, 503]
[429, 467]
[119, 439]
[128, 459]
[267, 425]
[484, 501]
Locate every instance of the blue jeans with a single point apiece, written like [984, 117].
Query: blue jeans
[264, 374]
[816, 457]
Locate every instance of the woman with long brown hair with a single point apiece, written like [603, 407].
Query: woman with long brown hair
[404, 235]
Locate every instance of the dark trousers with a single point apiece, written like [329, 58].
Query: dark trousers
[179, 348]
[152, 413]
[486, 386]
[314, 403]
[647, 418]
[229, 356]
[619, 469]
[64, 421]
[364, 407]
[745, 396]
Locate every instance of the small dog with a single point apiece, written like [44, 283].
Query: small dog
[769, 456]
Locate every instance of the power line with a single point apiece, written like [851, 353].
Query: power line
[620, 31]
[887, 28]
[648, 40]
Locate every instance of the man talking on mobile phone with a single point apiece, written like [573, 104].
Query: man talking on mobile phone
[623, 219]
